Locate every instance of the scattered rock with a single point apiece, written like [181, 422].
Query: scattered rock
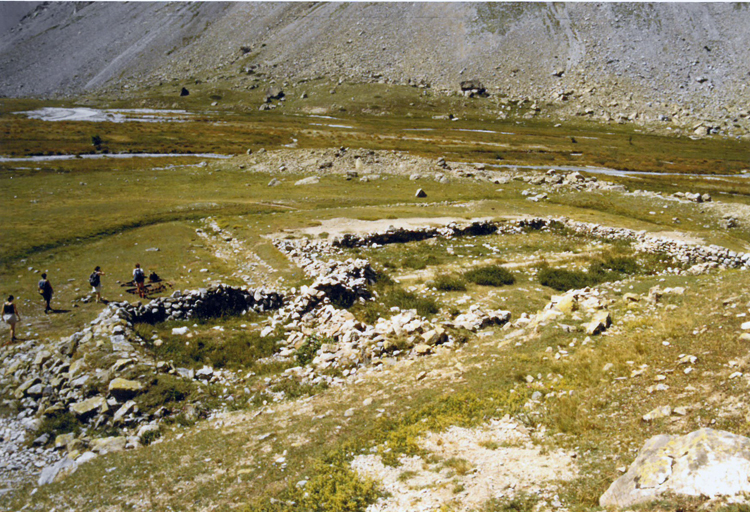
[658, 413]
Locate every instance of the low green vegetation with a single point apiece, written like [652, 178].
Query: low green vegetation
[386, 295]
[306, 352]
[608, 268]
[490, 275]
[518, 502]
[59, 422]
[332, 487]
[166, 390]
[448, 283]
[231, 346]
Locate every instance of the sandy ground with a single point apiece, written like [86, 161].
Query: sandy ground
[474, 465]
[340, 225]
[112, 115]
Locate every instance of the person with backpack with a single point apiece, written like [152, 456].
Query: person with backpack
[45, 290]
[139, 278]
[95, 280]
[10, 317]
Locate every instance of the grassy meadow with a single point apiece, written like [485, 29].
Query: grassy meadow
[67, 216]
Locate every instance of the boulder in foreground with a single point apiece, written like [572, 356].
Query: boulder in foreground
[706, 462]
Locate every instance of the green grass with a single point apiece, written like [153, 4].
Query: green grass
[607, 268]
[333, 487]
[388, 295]
[234, 347]
[484, 392]
[165, 390]
[61, 422]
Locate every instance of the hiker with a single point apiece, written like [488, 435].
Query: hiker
[10, 317]
[95, 280]
[139, 278]
[45, 290]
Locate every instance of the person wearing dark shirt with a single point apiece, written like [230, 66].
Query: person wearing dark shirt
[95, 280]
[45, 290]
[11, 317]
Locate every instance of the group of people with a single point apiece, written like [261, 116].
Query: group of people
[10, 310]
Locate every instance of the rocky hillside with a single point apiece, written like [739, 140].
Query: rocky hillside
[608, 61]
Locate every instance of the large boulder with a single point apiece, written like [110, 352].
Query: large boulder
[108, 444]
[706, 462]
[124, 389]
[274, 93]
[59, 469]
[473, 88]
[312, 180]
[89, 408]
[600, 322]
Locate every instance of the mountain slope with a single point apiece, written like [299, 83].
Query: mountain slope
[671, 59]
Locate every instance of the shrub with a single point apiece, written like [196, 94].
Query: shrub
[490, 275]
[448, 283]
[332, 487]
[61, 422]
[562, 280]
[425, 306]
[621, 264]
[307, 351]
[519, 502]
[150, 436]
[164, 390]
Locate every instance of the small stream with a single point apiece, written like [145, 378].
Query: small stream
[50, 158]
[615, 172]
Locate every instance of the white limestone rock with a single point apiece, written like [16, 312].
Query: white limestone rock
[706, 462]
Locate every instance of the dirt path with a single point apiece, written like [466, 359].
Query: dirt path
[247, 265]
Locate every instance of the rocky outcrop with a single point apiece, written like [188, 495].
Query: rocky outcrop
[706, 462]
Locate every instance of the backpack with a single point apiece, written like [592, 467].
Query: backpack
[45, 287]
[94, 279]
[139, 276]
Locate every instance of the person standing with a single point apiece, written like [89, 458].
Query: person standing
[139, 278]
[45, 290]
[95, 280]
[10, 317]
